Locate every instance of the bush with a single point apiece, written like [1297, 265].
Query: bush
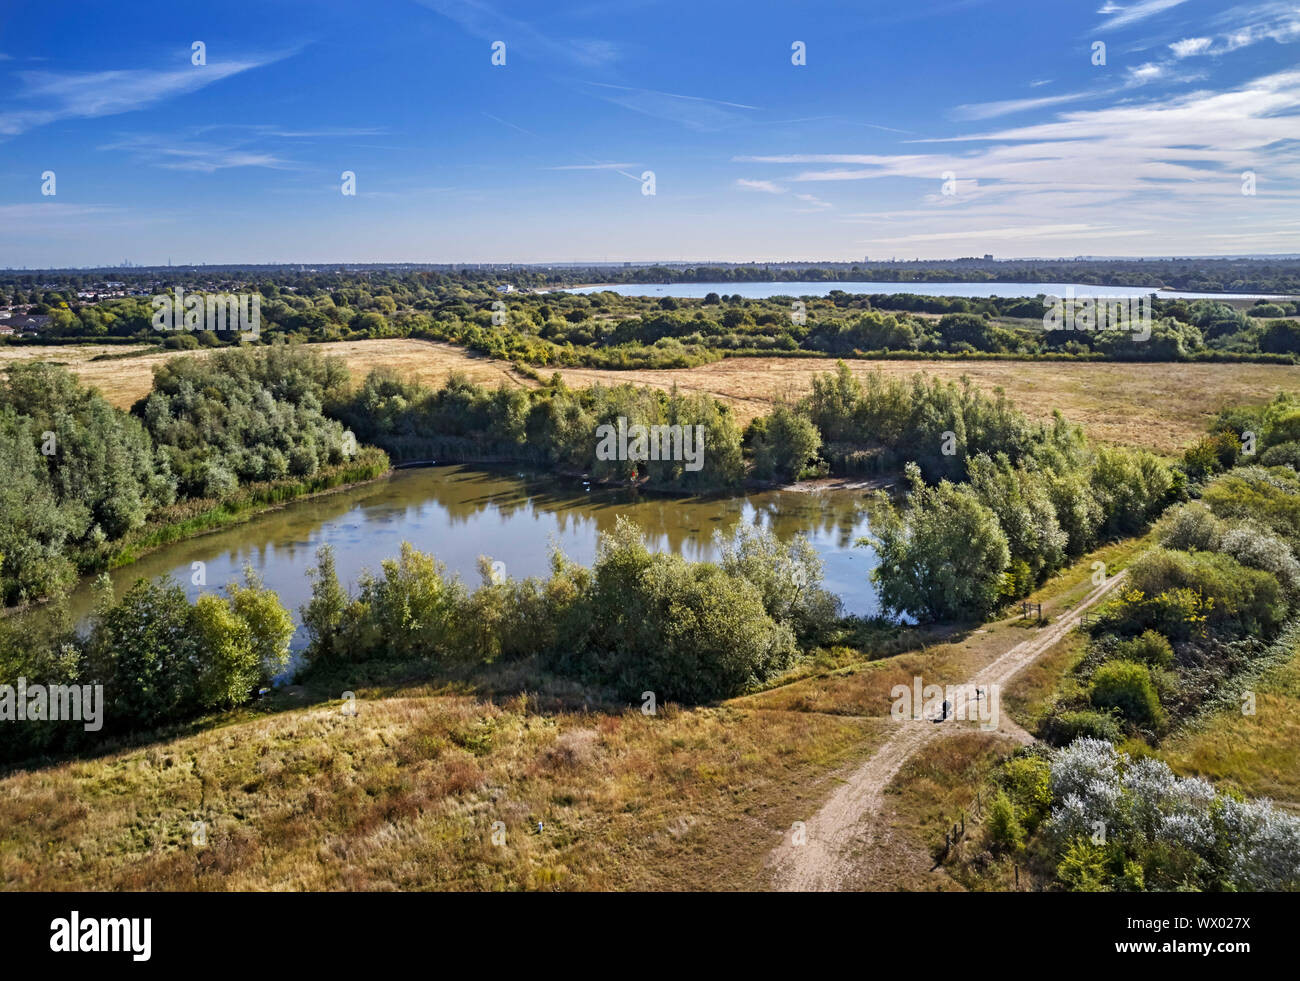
[636, 621]
[1004, 827]
[1190, 528]
[240, 416]
[1282, 455]
[788, 577]
[1268, 553]
[1150, 648]
[1225, 590]
[1127, 686]
[688, 632]
[1066, 727]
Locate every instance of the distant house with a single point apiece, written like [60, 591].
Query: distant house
[506, 288]
[5, 331]
[29, 322]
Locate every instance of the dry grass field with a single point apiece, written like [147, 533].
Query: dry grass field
[1158, 406]
[1162, 407]
[124, 380]
[406, 794]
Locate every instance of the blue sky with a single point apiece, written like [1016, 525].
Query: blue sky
[1047, 153]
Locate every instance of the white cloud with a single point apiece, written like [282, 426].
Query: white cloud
[1188, 47]
[766, 186]
[814, 203]
[1158, 174]
[990, 110]
[482, 21]
[596, 166]
[84, 95]
[1123, 16]
[1146, 73]
[177, 152]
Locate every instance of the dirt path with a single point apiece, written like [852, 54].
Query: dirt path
[845, 821]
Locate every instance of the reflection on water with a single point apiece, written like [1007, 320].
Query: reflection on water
[458, 514]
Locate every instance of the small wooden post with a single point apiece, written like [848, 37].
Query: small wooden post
[963, 824]
[1017, 877]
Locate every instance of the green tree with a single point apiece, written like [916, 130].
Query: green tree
[943, 557]
[783, 444]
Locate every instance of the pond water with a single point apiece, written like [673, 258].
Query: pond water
[459, 514]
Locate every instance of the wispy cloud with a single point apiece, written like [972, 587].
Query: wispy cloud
[596, 166]
[1007, 107]
[1122, 16]
[814, 203]
[692, 111]
[83, 95]
[170, 153]
[1154, 164]
[765, 186]
[489, 24]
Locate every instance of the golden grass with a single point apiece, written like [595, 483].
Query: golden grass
[1162, 407]
[125, 380]
[405, 796]
[1260, 753]
[69, 354]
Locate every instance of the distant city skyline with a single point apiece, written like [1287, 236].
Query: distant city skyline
[948, 129]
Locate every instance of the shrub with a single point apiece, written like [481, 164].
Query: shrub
[1227, 590]
[788, 577]
[1261, 550]
[1083, 867]
[1150, 648]
[1005, 829]
[1127, 686]
[1065, 727]
[688, 632]
[1190, 528]
[1282, 455]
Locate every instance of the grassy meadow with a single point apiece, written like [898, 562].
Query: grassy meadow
[1158, 406]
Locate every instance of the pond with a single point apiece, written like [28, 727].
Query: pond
[459, 514]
